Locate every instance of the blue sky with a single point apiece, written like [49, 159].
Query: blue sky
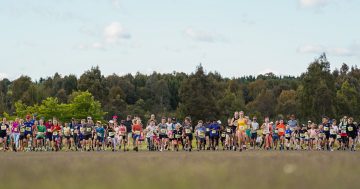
[233, 37]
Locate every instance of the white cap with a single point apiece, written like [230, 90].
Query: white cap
[219, 122]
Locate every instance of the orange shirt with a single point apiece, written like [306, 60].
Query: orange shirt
[281, 129]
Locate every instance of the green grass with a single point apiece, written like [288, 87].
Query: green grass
[251, 169]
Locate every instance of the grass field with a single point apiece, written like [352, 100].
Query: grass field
[251, 169]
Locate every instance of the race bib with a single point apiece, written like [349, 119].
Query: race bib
[28, 128]
[276, 131]
[49, 130]
[302, 135]
[287, 135]
[3, 127]
[88, 129]
[338, 136]
[201, 135]
[326, 128]
[223, 135]
[332, 131]
[55, 133]
[213, 131]
[163, 131]
[82, 129]
[21, 130]
[207, 129]
[111, 134]
[228, 130]
[99, 134]
[187, 131]
[343, 131]
[281, 130]
[137, 132]
[350, 128]
[177, 136]
[241, 127]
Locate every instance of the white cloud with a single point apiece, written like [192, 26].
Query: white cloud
[313, 3]
[336, 51]
[114, 32]
[311, 49]
[198, 35]
[3, 76]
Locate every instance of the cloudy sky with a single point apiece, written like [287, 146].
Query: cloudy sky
[233, 37]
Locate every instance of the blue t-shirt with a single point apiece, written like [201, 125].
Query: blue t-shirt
[214, 129]
[288, 133]
[201, 129]
[100, 131]
[28, 126]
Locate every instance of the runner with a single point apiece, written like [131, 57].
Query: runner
[313, 134]
[111, 134]
[136, 130]
[56, 140]
[241, 127]
[122, 135]
[188, 134]
[4, 129]
[163, 136]
[214, 134]
[343, 133]
[254, 128]
[28, 134]
[229, 135]
[352, 132]
[150, 135]
[234, 125]
[326, 125]
[49, 137]
[128, 123]
[40, 136]
[266, 127]
[288, 134]
[281, 133]
[200, 134]
[67, 139]
[207, 135]
[100, 135]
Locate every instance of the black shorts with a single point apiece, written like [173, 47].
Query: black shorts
[207, 133]
[22, 137]
[190, 136]
[333, 136]
[253, 136]
[352, 137]
[327, 135]
[215, 137]
[49, 136]
[87, 137]
[3, 135]
[163, 136]
[287, 138]
[344, 139]
[67, 137]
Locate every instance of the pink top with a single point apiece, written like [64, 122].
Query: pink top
[15, 127]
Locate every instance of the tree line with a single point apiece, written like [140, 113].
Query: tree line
[315, 93]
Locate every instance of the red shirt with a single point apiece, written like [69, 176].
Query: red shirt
[137, 127]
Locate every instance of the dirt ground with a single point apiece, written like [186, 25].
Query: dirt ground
[251, 169]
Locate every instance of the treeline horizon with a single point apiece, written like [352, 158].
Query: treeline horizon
[317, 92]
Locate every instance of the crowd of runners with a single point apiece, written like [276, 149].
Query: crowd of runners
[170, 134]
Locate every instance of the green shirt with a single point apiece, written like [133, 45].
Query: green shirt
[41, 128]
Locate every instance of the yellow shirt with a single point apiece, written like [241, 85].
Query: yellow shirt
[241, 124]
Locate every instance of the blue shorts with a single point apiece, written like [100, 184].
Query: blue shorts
[275, 137]
[136, 136]
[55, 137]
